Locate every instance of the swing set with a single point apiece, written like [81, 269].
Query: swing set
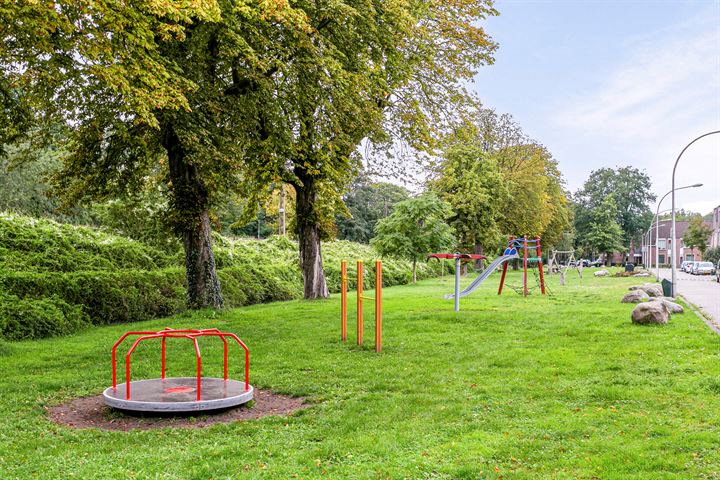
[561, 261]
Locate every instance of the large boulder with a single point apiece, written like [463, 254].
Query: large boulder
[669, 304]
[650, 313]
[602, 273]
[652, 289]
[643, 274]
[636, 296]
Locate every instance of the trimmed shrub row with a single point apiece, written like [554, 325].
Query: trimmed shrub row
[41, 245]
[59, 278]
[22, 318]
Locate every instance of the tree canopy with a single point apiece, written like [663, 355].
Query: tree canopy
[367, 202]
[604, 234]
[534, 201]
[631, 188]
[416, 228]
[697, 234]
[471, 182]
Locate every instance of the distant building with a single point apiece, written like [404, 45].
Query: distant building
[715, 237]
[681, 253]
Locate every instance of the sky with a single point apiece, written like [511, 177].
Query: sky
[614, 83]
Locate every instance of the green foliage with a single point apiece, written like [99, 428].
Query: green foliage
[24, 169]
[712, 254]
[697, 235]
[632, 190]
[25, 318]
[684, 215]
[535, 202]
[471, 182]
[604, 233]
[58, 278]
[367, 202]
[40, 245]
[415, 229]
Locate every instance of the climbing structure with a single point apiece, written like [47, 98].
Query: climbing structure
[523, 248]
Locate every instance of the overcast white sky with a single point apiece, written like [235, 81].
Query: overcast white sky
[614, 83]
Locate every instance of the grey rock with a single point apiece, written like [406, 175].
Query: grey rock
[645, 274]
[652, 289]
[636, 296]
[650, 313]
[602, 273]
[670, 305]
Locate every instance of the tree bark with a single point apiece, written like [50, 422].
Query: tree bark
[308, 231]
[479, 250]
[192, 222]
[414, 271]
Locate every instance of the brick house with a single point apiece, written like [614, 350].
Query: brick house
[715, 237]
[681, 253]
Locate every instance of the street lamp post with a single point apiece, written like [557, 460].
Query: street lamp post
[673, 203]
[657, 230]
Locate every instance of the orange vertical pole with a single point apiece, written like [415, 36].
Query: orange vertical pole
[539, 254]
[525, 262]
[359, 302]
[378, 306]
[343, 301]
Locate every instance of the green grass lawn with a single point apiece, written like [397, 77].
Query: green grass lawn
[541, 387]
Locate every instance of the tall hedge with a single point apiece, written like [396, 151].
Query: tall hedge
[56, 279]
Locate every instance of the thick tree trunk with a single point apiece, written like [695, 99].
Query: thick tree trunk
[203, 289]
[414, 271]
[308, 231]
[190, 207]
[479, 250]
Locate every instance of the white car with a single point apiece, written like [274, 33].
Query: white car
[685, 266]
[704, 268]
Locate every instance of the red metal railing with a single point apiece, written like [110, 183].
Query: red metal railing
[172, 333]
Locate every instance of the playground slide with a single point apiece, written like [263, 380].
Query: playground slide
[483, 276]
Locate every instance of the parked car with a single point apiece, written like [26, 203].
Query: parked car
[684, 266]
[596, 263]
[705, 268]
[693, 267]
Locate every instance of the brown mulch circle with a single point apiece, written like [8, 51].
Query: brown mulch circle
[91, 412]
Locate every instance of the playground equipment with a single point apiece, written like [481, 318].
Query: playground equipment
[524, 243]
[377, 298]
[178, 395]
[459, 257]
[562, 264]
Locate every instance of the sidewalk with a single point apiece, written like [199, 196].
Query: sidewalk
[702, 291]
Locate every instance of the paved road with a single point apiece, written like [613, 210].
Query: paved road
[702, 291]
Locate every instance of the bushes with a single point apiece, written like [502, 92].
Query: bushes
[22, 318]
[41, 245]
[106, 297]
[60, 278]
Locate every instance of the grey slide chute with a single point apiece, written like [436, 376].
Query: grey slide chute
[483, 275]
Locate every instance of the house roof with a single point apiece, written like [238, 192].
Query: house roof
[681, 227]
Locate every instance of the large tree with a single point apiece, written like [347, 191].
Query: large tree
[631, 189]
[604, 234]
[537, 203]
[369, 71]
[367, 203]
[161, 92]
[471, 182]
